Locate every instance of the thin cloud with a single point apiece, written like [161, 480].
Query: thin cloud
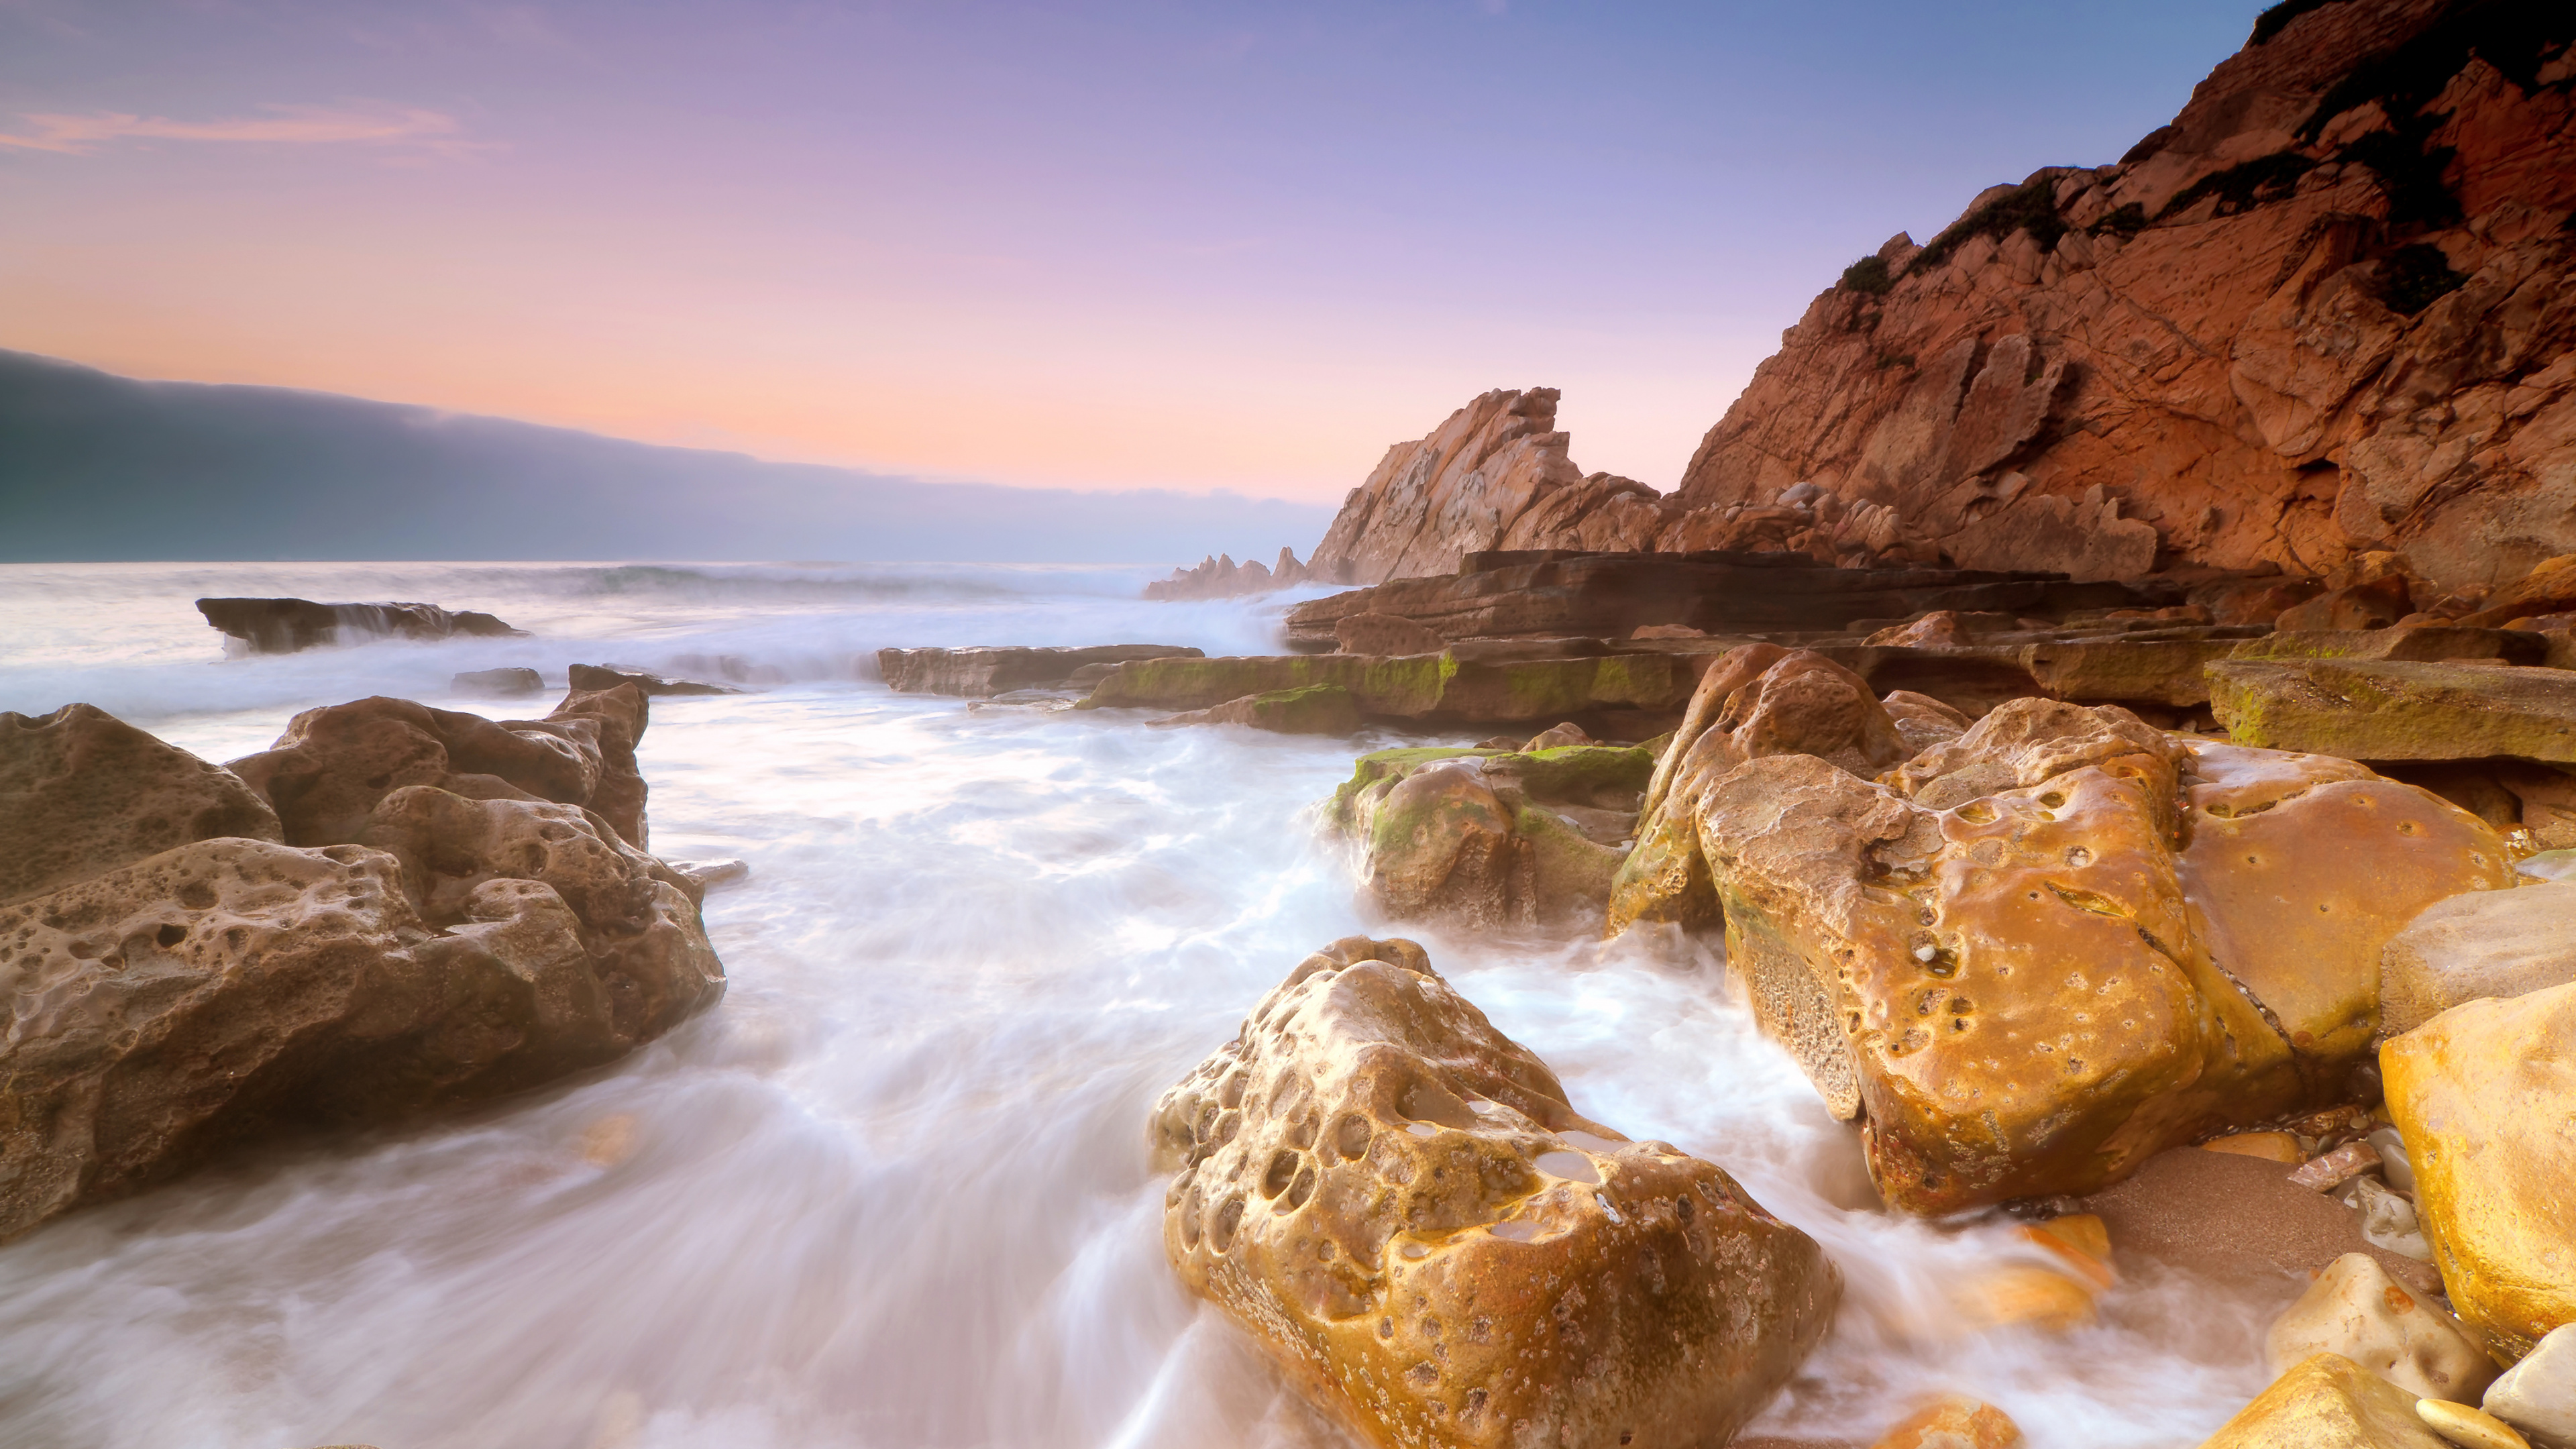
[278, 125]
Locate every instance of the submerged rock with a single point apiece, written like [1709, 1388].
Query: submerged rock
[1314, 709]
[2483, 1094]
[283, 626]
[2354, 1309]
[593, 677]
[983, 671]
[1491, 838]
[2327, 1402]
[1953, 1422]
[1397, 1201]
[2037, 955]
[498, 683]
[82, 792]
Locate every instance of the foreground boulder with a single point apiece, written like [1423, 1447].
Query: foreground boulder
[283, 626]
[82, 792]
[2390, 710]
[410, 947]
[1397, 1201]
[326, 773]
[2328, 1402]
[1489, 838]
[983, 671]
[2483, 1095]
[2063, 941]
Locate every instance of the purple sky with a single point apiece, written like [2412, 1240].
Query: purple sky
[1111, 245]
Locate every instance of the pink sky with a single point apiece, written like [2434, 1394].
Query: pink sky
[1186, 247]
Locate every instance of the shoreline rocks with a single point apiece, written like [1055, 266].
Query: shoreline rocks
[285, 626]
[983, 671]
[1491, 838]
[1400, 1206]
[422, 909]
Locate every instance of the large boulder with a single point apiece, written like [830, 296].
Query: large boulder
[2483, 1095]
[1756, 701]
[2038, 954]
[2395, 710]
[235, 990]
[326, 773]
[1400, 1205]
[1490, 838]
[2328, 1402]
[2490, 943]
[83, 792]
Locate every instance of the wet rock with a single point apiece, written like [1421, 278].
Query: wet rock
[591, 677]
[2469, 1428]
[2356, 1310]
[2327, 1402]
[326, 773]
[2282, 1147]
[2482, 1094]
[2001, 954]
[1397, 1201]
[1314, 709]
[1954, 1422]
[1922, 721]
[2020, 1295]
[83, 792]
[283, 626]
[1385, 634]
[1557, 737]
[2491, 943]
[232, 991]
[1464, 684]
[2330, 1170]
[1491, 839]
[2538, 1394]
[1755, 702]
[706, 875]
[980, 672]
[2397, 711]
[2237, 1219]
[2388, 1221]
[498, 683]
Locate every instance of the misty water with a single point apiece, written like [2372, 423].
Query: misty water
[893, 1190]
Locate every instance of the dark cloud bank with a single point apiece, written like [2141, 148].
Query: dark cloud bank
[99, 467]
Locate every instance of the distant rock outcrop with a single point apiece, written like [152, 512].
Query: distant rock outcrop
[1220, 577]
[283, 626]
[2326, 312]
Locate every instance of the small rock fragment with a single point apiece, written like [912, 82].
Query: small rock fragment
[2356, 1310]
[2330, 1170]
[2270, 1146]
[2388, 1221]
[2538, 1395]
[1954, 1422]
[2469, 1428]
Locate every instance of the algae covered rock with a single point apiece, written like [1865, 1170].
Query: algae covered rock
[1399, 1203]
[2328, 1402]
[2392, 710]
[1313, 709]
[83, 792]
[2484, 1094]
[2037, 955]
[2493, 943]
[1491, 837]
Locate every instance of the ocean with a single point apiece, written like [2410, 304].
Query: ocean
[893, 1190]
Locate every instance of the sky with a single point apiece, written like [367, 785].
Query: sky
[1114, 245]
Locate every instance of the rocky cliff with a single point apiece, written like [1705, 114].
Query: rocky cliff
[2327, 311]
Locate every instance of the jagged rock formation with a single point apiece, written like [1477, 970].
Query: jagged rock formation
[1220, 577]
[2327, 309]
[2324, 312]
[283, 626]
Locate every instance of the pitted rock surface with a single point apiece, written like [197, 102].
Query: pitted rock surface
[83, 792]
[2034, 956]
[1398, 1201]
